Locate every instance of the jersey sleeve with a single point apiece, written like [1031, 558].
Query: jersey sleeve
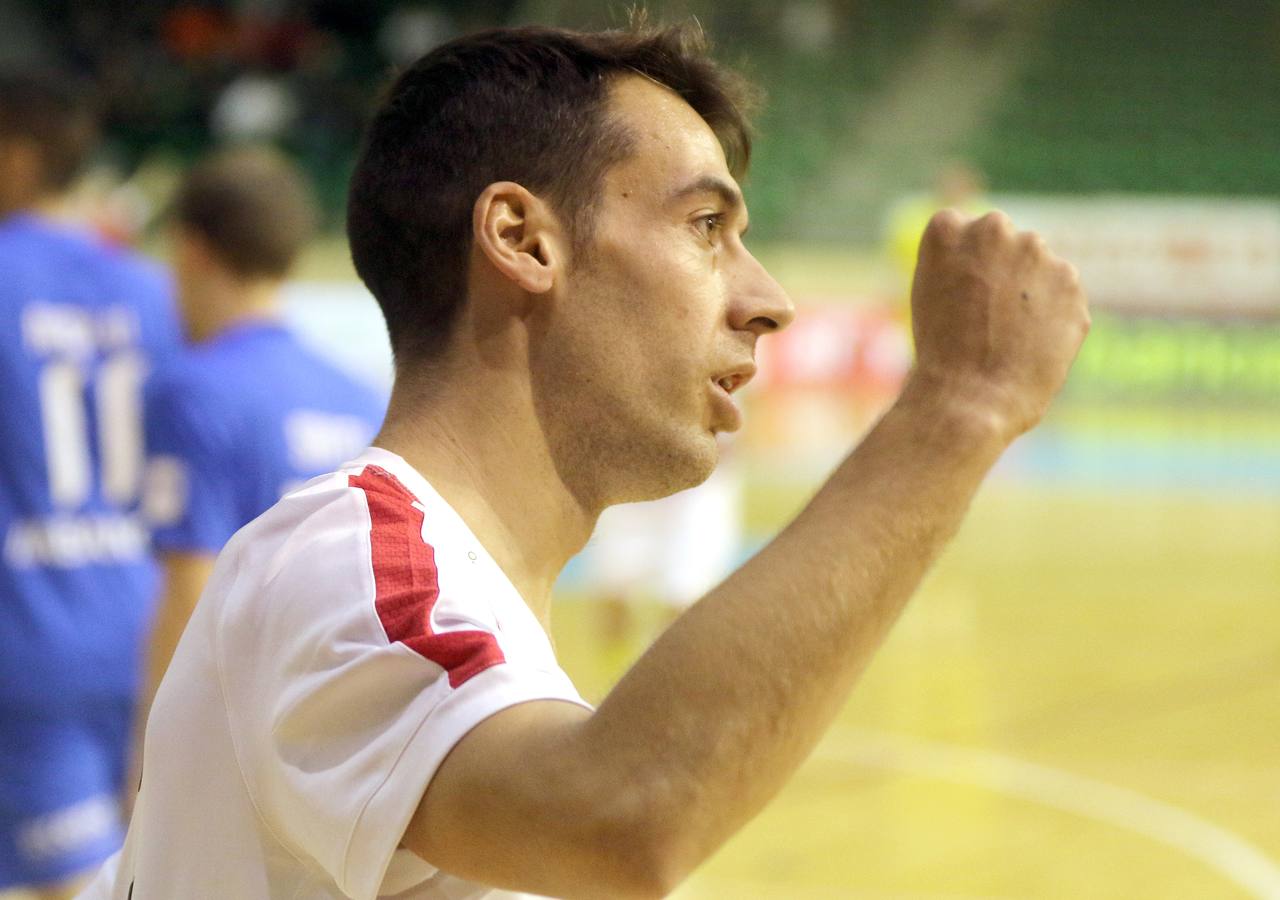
[190, 494]
[372, 651]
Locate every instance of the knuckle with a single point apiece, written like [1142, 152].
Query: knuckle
[944, 224]
[1070, 275]
[1033, 243]
[995, 221]
[991, 232]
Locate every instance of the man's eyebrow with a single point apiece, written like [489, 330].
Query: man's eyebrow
[711, 184]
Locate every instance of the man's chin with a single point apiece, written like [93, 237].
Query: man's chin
[681, 467]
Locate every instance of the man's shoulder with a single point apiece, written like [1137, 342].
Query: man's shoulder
[333, 383]
[35, 240]
[306, 562]
[369, 497]
[215, 371]
[341, 498]
[272, 368]
[197, 410]
[65, 273]
[137, 269]
[301, 531]
[24, 234]
[384, 503]
[183, 380]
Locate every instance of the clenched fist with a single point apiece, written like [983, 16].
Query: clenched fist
[998, 318]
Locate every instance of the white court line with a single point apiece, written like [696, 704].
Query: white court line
[1224, 851]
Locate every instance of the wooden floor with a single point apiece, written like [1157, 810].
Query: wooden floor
[1082, 702]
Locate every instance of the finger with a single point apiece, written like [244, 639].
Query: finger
[1068, 275]
[1033, 245]
[993, 229]
[944, 229]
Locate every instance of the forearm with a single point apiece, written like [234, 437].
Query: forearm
[712, 720]
[715, 717]
[170, 619]
[184, 578]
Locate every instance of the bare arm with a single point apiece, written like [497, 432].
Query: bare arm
[711, 722]
[184, 577]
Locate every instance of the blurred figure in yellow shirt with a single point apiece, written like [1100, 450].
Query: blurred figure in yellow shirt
[958, 185]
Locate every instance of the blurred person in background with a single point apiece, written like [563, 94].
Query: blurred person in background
[82, 321]
[669, 551]
[957, 185]
[249, 412]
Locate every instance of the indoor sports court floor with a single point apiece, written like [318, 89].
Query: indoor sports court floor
[1082, 702]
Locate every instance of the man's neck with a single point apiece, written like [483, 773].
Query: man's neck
[52, 207]
[235, 304]
[480, 446]
[56, 207]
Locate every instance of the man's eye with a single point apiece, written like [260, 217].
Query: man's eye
[709, 224]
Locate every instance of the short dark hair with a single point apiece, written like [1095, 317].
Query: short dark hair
[253, 208]
[58, 114]
[519, 104]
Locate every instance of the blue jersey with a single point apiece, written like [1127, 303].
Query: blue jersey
[81, 322]
[237, 421]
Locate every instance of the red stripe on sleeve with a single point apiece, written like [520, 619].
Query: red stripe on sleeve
[406, 582]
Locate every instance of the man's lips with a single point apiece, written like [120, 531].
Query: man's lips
[729, 381]
[728, 416]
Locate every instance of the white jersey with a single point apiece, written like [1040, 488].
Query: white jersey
[349, 637]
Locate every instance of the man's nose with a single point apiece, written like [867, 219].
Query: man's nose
[759, 304]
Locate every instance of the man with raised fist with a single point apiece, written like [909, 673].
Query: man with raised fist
[552, 224]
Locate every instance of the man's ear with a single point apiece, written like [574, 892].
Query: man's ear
[22, 171]
[520, 236]
[190, 251]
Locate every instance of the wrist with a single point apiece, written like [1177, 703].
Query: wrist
[959, 412]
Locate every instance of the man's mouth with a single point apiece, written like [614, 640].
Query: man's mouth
[735, 378]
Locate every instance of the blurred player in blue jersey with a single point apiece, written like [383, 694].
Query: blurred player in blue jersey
[80, 324]
[249, 412]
